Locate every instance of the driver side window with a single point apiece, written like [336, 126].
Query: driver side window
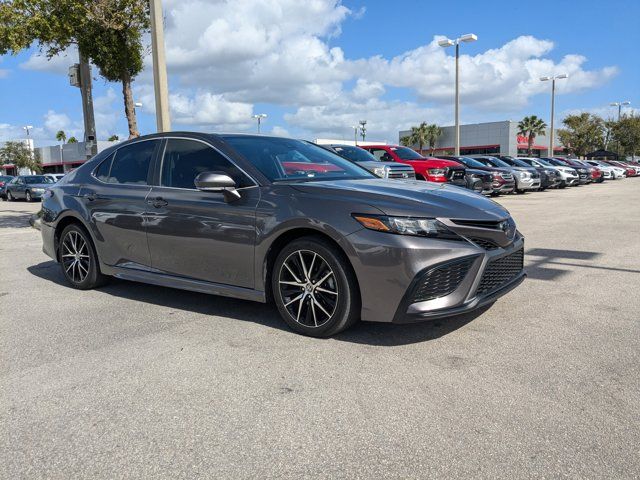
[381, 154]
[185, 159]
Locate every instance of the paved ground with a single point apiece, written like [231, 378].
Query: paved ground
[139, 381]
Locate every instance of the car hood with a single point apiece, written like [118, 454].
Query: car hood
[477, 171]
[410, 198]
[39, 185]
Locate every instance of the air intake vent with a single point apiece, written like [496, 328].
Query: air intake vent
[484, 243]
[442, 280]
[500, 272]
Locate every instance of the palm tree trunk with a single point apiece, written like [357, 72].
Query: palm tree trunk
[129, 107]
[530, 143]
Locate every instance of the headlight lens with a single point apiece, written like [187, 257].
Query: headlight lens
[421, 227]
[524, 174]
[379, 171]
[436, 172]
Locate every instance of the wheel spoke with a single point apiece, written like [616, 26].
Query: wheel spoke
[313, 311]
[295, 284]
[300, 308]
[295, 277]
[324, 278]
[304, 267]
[322, 308]
[291, 301]
[324, 290]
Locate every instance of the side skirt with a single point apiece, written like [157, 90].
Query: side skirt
[182, 283]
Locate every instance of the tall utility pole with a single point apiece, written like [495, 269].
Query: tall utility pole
[469, 37]
[160, 82]
[553, 106]
[86, 90]
[363, 129]
[620, 105]
[259, 117]
[355, 134]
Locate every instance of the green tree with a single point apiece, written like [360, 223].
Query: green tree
[61, 136]
[72, 140]
[434, 132]
[417, 136]
[583, 133]
[531, 127]
[109, 32]
[20, 155]
[113, 138]
[626, 133]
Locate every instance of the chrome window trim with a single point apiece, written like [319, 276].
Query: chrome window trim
[255, 183]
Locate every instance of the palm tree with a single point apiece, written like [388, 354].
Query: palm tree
[433, 133]
[531, 127]
[114, 138]
[73, 140]
[418, 136]
[61, 136]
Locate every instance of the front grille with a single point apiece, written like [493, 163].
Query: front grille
[493, 224]
[507, 176]
[501, 271]
[455, 173]
[401, 173]
[442, 280]
[484, 243]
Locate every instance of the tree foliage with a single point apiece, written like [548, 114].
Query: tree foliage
[531, 127]
[423, 134]
[113, 138]
[61, 136]
[21, 156]
[72, 140]
[583, 133]
[109, 32]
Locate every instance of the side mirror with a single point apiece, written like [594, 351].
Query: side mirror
[217, 182]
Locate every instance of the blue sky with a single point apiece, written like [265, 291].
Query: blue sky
[317, 67]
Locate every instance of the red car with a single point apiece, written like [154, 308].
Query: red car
[631, 172]
[427, 168]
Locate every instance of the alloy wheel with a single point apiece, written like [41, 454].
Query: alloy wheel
[28, 196]
[308, 288]
[75, 257]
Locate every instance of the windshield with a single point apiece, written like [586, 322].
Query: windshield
[469, 162]
[544, 162]
[406, 153]
[496, 162]
[286, 159]
[520, 163]
[37, 179]
[355, 154]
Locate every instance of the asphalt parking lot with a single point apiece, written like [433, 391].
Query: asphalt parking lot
[134, 381]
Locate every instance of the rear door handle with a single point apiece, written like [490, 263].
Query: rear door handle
[158, 202]
[90, 196]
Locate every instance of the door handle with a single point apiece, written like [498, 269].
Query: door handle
[90, 196]
[158, 202]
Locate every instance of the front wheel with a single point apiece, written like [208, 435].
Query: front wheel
[28, 196]
[10, 197]
[314, 288]
[79, 260]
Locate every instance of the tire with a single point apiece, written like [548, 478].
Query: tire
[28, 196]
[81, 271]
[308, 306]
[563, 184]
[10, 197]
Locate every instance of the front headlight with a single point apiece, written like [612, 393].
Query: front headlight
[38, 190]
[421, 227]
[379, 171]
[524, 175]
[436, 172]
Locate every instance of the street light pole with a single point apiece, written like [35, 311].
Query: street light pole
[259, 117]
[469, 37]
[355, 134]
[620, 105]
[160, 81]
[363, 129]
[553, 103]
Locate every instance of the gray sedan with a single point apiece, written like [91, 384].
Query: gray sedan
[274, 219]
[27, 187]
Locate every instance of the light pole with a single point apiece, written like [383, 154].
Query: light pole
[259, 117]
[620, 105]
[469, 37]
[553, 102]
[160, 82]
[363, 129]
[355, 134]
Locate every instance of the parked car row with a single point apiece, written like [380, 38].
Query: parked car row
[26, 187]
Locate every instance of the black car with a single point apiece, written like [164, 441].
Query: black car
[549, 177]
[502, 180]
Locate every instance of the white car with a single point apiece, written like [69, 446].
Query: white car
[609, 171]
[568, 175]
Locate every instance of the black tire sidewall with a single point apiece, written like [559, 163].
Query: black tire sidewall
[28, 197]
[94, 278]
[348, 309]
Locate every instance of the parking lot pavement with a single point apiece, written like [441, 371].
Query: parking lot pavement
[141, 381]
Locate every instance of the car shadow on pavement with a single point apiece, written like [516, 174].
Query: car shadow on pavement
[379, 334]
[547, 263]
[17, 219]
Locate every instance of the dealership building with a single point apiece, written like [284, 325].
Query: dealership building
[491, 138]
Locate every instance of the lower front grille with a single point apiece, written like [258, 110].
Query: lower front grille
[401, 174]
[442, 280]
[500, 272]
[484, 243]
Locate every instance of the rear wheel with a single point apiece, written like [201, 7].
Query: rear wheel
[28, 196]
[314, 288]
[10, 197]
[79, 260]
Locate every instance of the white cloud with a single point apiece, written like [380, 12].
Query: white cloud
[57, 64]
[53, 121]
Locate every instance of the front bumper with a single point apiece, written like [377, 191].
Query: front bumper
[528, 184]
[389, 269]
[505, 187]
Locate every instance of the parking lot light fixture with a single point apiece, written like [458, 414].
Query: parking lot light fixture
[553, 100]
[259, 117]
[620, 105]
[447, 42]
[363, 129]
[355, 134]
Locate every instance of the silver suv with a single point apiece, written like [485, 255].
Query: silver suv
[366, 160]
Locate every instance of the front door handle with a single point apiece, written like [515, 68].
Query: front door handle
[158, 202]
[90, 196]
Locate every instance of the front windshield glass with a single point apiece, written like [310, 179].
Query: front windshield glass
[406, 153]
[286, 159]
[469, 162]
[497, 162]
[544, 162]
[355, 154]
[520, 163]
[32, 180]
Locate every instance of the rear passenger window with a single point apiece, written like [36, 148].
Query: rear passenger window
[131, 163]
[185, 159]
[102, 172]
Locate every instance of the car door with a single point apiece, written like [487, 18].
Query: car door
[197, 234]
[19, 188]
[115, 200]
